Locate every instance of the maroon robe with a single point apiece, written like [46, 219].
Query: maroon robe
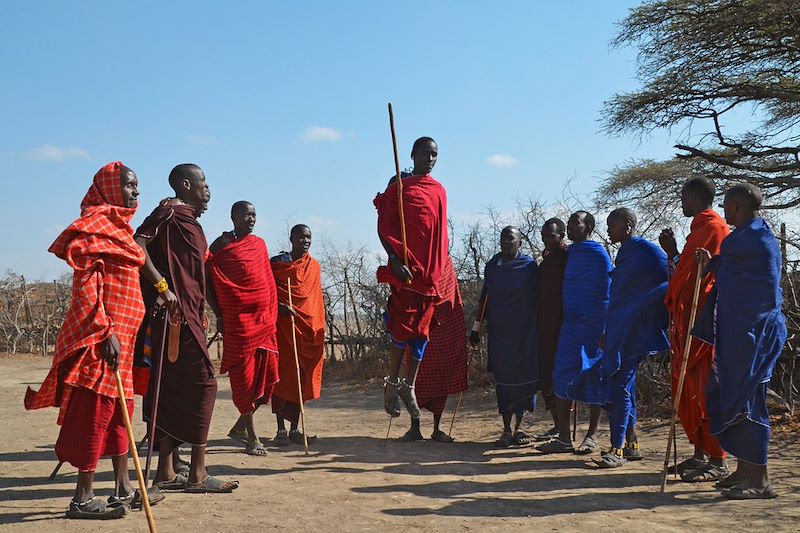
[188, 386]
[550, 314]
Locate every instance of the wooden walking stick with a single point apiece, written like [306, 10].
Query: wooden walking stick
[213, 338]
[151, 435]
[136, 464]
[54, 473]
[670, 331]
[574, 420]
[399, 182]
[297, 366]
[684, 363]
[399, 189]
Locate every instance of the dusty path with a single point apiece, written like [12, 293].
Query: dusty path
[352, 482]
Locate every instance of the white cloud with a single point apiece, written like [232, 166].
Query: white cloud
[501, 160]
[48, 152]
[320, 133]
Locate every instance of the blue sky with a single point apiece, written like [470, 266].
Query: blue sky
[284, 104]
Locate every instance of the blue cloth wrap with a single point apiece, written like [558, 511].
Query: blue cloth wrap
[636, 326]
[576, 371]
[742, 318]
[513, 336]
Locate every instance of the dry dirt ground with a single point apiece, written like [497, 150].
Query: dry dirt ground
[352, 481]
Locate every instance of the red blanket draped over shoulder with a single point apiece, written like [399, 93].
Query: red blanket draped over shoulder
[106, 298]
[425, 213]
[310, 328]
[245, 290]
[708, 230]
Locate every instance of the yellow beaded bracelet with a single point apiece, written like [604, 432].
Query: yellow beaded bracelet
[161, 286]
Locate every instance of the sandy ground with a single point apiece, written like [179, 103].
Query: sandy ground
[352, 481]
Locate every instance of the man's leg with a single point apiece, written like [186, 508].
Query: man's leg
[166, 470]
[594, 421]
[563, 443]
[122, 481]
[413, 433]
[83, 490]
[391, 390]
[197, 470]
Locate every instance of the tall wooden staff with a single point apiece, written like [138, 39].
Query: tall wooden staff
[136, 464]
[399, 182]
[574, 420]
[297, 366]
[156, 393]
[677, 400]
[399, 188]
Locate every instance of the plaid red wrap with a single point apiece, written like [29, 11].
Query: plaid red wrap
[106, 298]
[309, 328]
[245, 289]
[443, 370]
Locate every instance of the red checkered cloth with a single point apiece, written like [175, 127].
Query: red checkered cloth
[443, 370]
[106, 297]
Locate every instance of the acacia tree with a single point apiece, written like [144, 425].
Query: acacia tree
[702, 61]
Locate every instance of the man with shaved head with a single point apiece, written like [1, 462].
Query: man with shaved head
[636, 326]
[174, 270]
[550, 311]
[300, 327]
[509, 299]
[708, 230]
[742, 318]
[414, 234]
[576, 376]
[241, 291]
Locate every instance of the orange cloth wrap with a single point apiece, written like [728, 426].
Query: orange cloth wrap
[708, 230]
[309, 329]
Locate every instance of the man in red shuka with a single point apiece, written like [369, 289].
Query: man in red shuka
[241, 291]
[413, 284]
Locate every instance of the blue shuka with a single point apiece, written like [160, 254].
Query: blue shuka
[513, 337]
[742, 317]
[636, 326]
[576, 373]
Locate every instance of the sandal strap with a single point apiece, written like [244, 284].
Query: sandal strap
[404, 384]
[632, 445]
[387, 381]
[616, 451]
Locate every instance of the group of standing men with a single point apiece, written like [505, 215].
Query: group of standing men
[138, 310]
[576, 327]
[573, 327]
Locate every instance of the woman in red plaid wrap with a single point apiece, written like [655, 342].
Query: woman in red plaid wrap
[97, 337]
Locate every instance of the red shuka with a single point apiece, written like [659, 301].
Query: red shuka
[443, 370]
[245, 290]
[708, 230]
[106, 298]
[309, 328]
[425, 213]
